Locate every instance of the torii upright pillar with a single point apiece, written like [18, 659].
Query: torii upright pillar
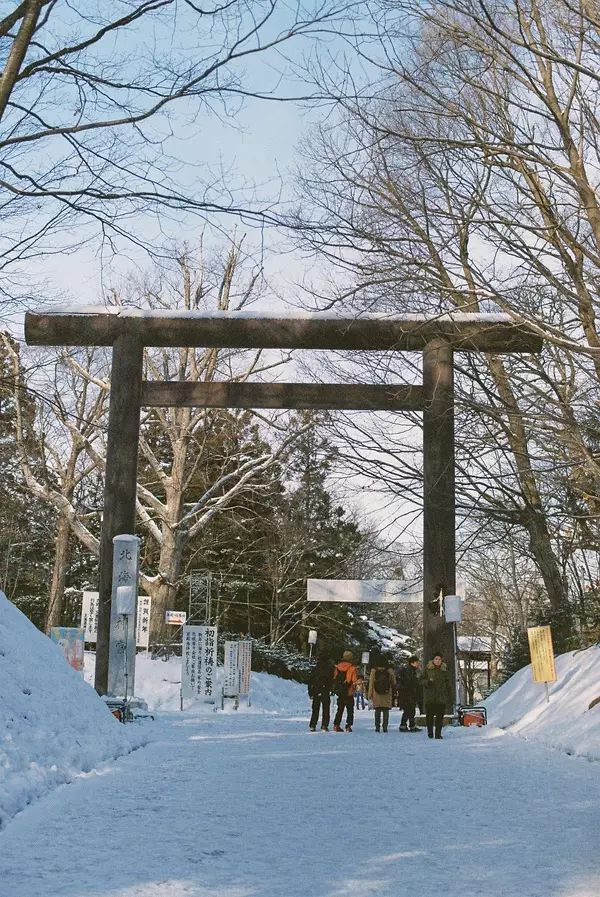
[129, 330]
[120, 480]
[439, 500]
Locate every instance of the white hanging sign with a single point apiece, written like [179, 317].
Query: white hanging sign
[453, 608]
[199, 662]
[362, 591]
[369, 591]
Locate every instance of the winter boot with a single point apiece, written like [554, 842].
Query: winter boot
[313, 728]
[415, 729]
[337, 729]
[403, 728]
[348, 728]
[324, 728]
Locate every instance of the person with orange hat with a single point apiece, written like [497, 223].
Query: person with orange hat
[344, 685]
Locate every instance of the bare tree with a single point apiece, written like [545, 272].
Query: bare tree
[100, 101]
[462, 177]
[68, 422]
[195, 462]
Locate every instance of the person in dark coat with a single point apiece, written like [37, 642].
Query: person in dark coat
[438, 692]
[319, 690]
[407, 682]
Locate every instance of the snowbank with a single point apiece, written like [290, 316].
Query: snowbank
[520, 705]
[158, 683]
[53, 726]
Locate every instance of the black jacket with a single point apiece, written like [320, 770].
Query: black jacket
[321, 680]
[408, 685]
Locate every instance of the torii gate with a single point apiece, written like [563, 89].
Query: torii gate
[130, 330]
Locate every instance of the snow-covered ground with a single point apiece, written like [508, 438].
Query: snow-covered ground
[246, 805]
[53, 726]
[158, 683]
[520, 705]
[249, 803]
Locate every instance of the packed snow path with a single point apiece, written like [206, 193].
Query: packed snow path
[226, 805]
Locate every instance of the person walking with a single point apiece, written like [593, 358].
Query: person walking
[360, 693]
[381, 692]
[344, 685]
[438, 694]
[408, 689]
[319, 690]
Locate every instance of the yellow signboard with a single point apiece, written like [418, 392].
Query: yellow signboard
[542, 654]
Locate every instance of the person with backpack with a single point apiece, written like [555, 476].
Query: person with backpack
[344, 684]
[407, 681]
[438, 692]
[319, 690]
[381, 692]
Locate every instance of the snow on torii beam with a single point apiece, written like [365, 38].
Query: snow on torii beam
[100, 326]
[130, 330]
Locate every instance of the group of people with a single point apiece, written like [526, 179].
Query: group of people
[431, 687]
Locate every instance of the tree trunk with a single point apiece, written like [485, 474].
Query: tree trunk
[533, 516]
[543, 553]
[62, 558]
[164, 589]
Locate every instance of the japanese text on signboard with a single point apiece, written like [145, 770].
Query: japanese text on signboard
[89, 618]
[542, 654]
[199, 662]
[231, 676]
[245, 665]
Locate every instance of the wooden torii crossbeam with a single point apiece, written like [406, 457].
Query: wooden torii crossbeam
[437, 338]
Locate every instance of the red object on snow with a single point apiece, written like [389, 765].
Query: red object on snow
[472, 716]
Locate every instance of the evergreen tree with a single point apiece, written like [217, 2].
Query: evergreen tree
[315, 537]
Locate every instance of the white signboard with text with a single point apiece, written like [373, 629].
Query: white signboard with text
[89, 618]
[245, 665]
[175, 617]
[142, 621]
[199, 662]
[231, 672]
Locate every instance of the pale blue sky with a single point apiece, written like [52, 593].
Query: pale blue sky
[257, 144]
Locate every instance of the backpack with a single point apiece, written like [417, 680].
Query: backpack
[341, 684]
[381, 683]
